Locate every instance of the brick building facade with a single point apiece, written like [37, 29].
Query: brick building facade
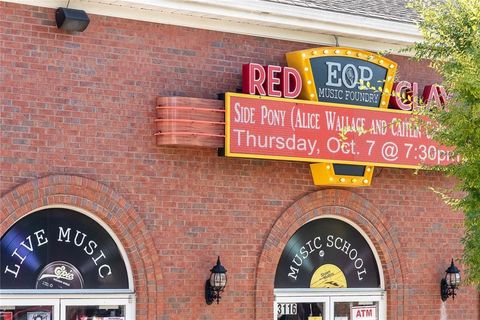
[77, 131]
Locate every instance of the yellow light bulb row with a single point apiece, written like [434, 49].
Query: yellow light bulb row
[343, 180]
[344, 52]
[324, 174]
[354, 180]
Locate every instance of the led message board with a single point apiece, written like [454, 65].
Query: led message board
[281, 129]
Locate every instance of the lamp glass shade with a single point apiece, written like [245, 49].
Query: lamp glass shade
[218, 280]
[453, 279]
[452, 276]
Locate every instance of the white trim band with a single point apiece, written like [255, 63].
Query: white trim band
[256, 18]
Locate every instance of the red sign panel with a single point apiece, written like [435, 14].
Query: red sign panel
[6, 315]
[285, 129]
[364, 313]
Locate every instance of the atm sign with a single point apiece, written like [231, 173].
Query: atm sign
[364, 313]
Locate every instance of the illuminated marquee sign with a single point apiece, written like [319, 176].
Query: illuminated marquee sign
[272, 128]
[268, 122]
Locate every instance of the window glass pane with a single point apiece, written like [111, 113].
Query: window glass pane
[26, 313]
[300, 311]
[355, 310]
[95, 313]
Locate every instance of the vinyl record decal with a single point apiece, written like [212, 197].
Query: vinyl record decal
[327, 253]
[60, 249]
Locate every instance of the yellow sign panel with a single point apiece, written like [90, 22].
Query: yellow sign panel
[324, 174]
[335, 75]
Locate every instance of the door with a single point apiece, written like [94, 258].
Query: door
[29, 309]
[302, 308]
[357, 308]
[101, 308]
[290, 305]
[96, 309]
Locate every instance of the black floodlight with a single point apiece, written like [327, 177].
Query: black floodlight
[71, 19]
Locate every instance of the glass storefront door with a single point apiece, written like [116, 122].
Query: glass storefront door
[301, 311]
[66, 309]
[292, 305]
[96, 309]
[301, 308]
[29, 309]
[357, 308]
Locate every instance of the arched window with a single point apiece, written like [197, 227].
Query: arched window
[60, 263]
[329, 270]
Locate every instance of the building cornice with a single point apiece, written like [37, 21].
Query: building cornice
[256, 18]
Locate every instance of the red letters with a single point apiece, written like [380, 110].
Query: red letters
[271, 80]
[364, 313]
[253, 77]
[291, 89]
[436, 94]
[405, 95]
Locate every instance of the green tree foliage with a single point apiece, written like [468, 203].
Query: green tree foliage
[451, 31]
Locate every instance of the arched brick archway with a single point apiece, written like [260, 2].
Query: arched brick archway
[341, 203]
[111, 208]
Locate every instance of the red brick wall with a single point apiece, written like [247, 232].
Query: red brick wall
[113, 209]
[84, 105]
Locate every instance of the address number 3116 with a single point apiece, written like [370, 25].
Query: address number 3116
[286, 309]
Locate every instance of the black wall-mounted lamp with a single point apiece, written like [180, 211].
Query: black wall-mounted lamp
[450, 282]
[71, 19]
[216, 283]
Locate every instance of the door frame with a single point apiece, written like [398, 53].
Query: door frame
[28, 301]
[299, 299]
[330, 296]
[59, 302]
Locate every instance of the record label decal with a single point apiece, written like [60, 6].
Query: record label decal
[59, 275]
[328, 276]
